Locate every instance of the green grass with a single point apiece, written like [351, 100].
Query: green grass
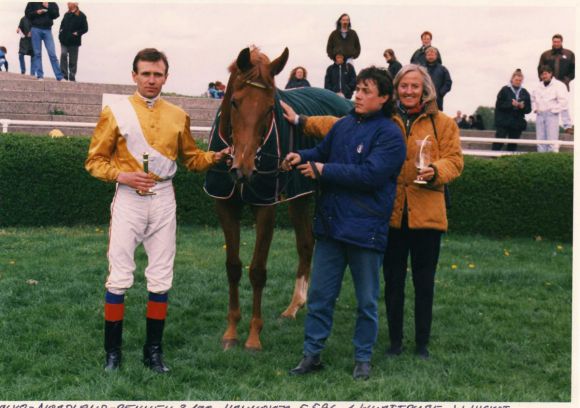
[501, 330]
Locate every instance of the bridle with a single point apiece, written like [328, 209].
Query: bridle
[257, 84]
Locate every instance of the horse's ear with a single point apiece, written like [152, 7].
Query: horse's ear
[243, 62]
[278, 64]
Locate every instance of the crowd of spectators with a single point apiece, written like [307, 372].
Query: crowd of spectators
[556, 66]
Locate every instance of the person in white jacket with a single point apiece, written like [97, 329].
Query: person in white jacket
[549, 98]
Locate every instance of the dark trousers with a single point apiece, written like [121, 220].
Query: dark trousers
[423, 245]
[502, 133]
[69, 55]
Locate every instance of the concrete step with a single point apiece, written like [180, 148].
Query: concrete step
[70, 109]
[17, 82]
[7, 97]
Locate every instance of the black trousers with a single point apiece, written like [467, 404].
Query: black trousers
[502, 133]
[423, 246]
[69, 55]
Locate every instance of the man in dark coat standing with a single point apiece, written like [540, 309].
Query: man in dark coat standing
[340, 77]
[73, 26]
[562, 62]
[343, 40]
[439, 75]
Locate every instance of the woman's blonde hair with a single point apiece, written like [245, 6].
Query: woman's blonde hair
[429, 93]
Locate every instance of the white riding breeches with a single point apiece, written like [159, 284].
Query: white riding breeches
[139, 219]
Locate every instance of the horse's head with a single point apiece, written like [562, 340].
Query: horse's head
[248, 106]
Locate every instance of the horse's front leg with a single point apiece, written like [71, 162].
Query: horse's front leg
[301, 221]
[229, 213]
[265, 217]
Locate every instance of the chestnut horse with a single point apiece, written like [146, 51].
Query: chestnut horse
[245, 123]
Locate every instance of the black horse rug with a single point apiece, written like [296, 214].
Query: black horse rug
[270, 185]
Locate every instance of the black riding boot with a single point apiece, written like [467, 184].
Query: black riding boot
[152, 352]
[113, 341]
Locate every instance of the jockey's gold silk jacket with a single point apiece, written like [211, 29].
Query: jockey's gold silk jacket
[166, 129]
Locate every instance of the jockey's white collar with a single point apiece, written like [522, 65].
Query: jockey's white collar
[149, 101]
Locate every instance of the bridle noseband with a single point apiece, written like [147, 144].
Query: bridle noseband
[257, 84]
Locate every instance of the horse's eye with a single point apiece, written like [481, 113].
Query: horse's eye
[233, 103]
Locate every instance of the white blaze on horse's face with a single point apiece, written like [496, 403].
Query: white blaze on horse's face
[251, 106]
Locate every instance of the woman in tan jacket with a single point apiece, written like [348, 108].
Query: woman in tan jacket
[419, 216]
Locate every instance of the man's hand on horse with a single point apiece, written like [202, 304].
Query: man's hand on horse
[289, 113]
[137, 180]
[307, 170]
[222, 155]
[291, 160]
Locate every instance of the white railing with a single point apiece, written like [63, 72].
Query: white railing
[5, 123]
[518, 141]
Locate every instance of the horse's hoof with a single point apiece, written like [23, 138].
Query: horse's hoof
[253, 350]
[229, 343]
[287, 314]
[253, 346]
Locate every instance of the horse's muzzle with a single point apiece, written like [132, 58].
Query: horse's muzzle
[238, 175]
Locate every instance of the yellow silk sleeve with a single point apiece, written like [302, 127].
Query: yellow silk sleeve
[190, 154]
[102, 146]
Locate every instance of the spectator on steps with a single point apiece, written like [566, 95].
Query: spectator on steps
[221, 88]
[343, 40]
[549, 99]
[394, 65]
[41, 16]
[478, 122]
[439, 75]
[340, 77]
[511, 106]
[212, 92]
[3, 60]
[464, 123]
[297, 78]
[419, 55]
[25, 46]
[72, 27]
[562, 61]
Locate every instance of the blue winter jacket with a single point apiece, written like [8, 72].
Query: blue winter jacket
[362, 159]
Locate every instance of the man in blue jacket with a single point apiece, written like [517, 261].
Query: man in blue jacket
[357, 165]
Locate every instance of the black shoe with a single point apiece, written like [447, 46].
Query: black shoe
[362, 370]
[395, 350]
[422, 352]
[113, 361]
[307, 365]
[153, 358]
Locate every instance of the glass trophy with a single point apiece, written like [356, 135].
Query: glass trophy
[423, 157]
[146, 170]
